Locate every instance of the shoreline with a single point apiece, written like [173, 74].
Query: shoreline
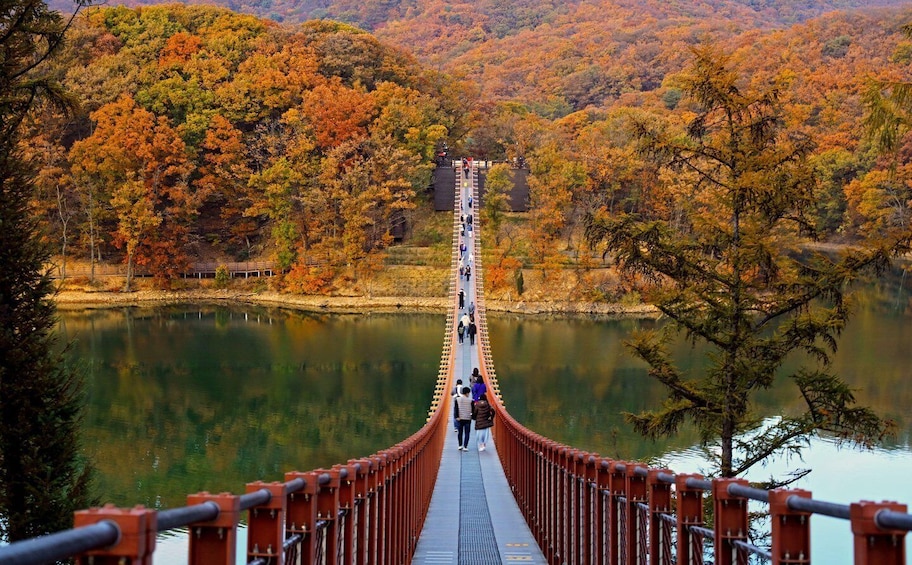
[82, 300]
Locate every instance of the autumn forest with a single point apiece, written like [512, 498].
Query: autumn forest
[199, 133]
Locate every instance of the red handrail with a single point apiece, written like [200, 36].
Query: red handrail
[587, 509]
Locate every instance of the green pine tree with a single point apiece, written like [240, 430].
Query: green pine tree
[43, 476]
[732, 273]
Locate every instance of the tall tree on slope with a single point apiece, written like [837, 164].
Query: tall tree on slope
[735, 277]
[42, 475]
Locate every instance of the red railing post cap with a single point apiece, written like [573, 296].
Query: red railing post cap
[652, 476]
[863, 515]
[229, 508]
[335, 477]
[309, 478]
[360, 466]
[720, 488]
[778, 501]
[276, 489]
[681, 481]
[631, 469]
[137, 526]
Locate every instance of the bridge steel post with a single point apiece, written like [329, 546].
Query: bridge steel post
[215, 542]
[382, 522]
[616, 535]
[562, 496]
[590, 509]
[636, 534]
[588, 495]
[266, 524]
[580, 487]
[790, 529]
[138, 528]
[398, 485]
[301, 513]
[659, 494]
[542, 504]
[360, 509]
[730, 521]
[376, 490]
[550, 495]
[602, 510]
[328, 511]
[689, 513]
[875, 545]
[347, 508]
[391, 540]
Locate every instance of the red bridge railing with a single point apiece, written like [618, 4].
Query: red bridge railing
[366, 511]
[585, 509]
[581, 508]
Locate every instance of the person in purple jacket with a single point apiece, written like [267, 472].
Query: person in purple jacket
[479, 389]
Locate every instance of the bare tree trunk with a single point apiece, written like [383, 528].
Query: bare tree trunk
[129, 269]
[91, 237]
[64, 214]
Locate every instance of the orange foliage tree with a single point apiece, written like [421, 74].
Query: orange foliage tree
[141, 163]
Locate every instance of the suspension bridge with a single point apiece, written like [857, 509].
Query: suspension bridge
[526, 499]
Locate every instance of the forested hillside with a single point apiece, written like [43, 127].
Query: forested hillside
[205, 133]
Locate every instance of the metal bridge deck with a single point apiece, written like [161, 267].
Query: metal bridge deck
[473, 517]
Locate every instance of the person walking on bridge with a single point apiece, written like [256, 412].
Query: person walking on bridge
[457, 390]
[462, 300]
[462, 413]
[472, 330]
[483, 414]
[464, 322]
[479, 388]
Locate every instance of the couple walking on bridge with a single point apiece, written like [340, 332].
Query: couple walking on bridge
[475, 407]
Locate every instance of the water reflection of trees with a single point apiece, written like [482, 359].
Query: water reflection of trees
[209, 403]
[571, 379]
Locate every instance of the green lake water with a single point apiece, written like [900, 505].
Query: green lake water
[191, 398]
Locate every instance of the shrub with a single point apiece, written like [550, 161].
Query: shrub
[222, 276]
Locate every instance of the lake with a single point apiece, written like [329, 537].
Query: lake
[206, 397]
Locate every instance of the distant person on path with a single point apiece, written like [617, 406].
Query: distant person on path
[460, 330]
[468, 272]
[471, 309]
[473, 329]
[464, 322]
[455, 394]
[462, 300]
[470, 202]
[479, 389]
[483, 414]
[462, 413]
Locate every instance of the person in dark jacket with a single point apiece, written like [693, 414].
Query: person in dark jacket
[479, 389]
[473, 329]
[483, 414]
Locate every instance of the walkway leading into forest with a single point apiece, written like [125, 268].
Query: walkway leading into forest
[473, 517]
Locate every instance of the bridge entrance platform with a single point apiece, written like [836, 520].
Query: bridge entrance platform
[473, 518]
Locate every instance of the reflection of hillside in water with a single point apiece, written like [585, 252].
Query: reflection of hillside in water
[572, 380]
[183, 401]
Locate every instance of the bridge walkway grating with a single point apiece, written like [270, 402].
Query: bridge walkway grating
[473, 518]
